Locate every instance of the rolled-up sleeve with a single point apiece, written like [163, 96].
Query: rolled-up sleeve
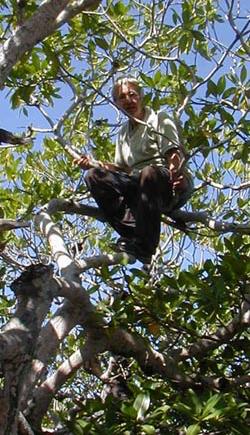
[119, 160]
[168, 137]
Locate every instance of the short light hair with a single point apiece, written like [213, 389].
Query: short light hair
[124, 80]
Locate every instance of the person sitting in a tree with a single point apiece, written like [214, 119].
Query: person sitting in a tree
[147, 176]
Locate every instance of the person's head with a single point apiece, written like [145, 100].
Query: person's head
[128, 95]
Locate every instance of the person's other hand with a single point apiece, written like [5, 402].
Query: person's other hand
[84, 162]
[178, 179]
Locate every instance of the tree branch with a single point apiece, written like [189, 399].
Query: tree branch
[213, 224]
[222, 335]
[10, 224]
[18, 339]
[72, 206]
[58, 248]
[101, 338]
[47, 390]
[47, 18]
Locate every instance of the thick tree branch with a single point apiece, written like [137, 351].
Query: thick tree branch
[23, 426]
[213, 224]
[78, 311]
[9, 224]
[48, 389]
[59, 251]
[105, 260]
[19, 339]
[119, 342]
[47, 18]
[71, 206]
[52, 334]
[34, 297]
[223, 383]
[10, 138]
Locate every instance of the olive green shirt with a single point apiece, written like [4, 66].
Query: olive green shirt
[142, 146]
[148, 144]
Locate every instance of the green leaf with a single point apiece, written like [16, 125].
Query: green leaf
[198, 35]
[157, 77]
[173, 67]
[25, 112]
[221, 85]
[102, 43]
[128, 410]
[141, 405]
[211, 88]
[209, 407]
[186, 13]
[160, 410]
[81, 427]
[148, 429]
[194, 429]
[183, 43]
[229, 91]
[213, 415]
[196, 401]
[182, 407]
[35, 60]
[176, 18]
[147, 79]
[105, 272]
[226, 116]
[139, 273]
[120, 8]
[243, 74]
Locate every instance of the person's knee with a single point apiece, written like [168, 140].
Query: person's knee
[149, 174]
[88, 177]
[93, 175]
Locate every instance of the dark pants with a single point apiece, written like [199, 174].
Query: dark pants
[132, 204]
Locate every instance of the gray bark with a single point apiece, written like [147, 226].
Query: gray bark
[48, 17]
[19, 339]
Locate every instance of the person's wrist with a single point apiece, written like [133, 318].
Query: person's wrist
[101, 164]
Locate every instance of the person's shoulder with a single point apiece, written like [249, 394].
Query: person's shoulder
[162, 114]
[165, 118]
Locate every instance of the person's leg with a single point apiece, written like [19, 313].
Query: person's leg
[155, 189]
[113, 192]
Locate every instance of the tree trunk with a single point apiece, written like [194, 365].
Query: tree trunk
[19, 340]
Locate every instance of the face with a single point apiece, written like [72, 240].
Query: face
[128, 100]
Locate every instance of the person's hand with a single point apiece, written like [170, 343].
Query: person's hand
[84, 162]
[178, 179]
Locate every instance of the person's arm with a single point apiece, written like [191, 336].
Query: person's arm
[174, 159]
[171, 149]
[114, 167]
[86, 162]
